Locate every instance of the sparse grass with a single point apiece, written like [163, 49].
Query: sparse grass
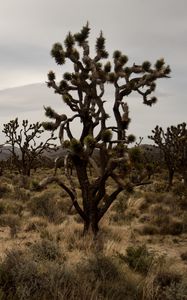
[12, 221]
[4, 189]
[149, 229]
[55, 261]
[138, 258]
[36, 224]
[21, 194]
[45, 205]
[184, 256]
[163, 281]
[46, 249]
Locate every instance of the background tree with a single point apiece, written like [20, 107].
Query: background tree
[25, 150]
[173, 144]
[83, 91]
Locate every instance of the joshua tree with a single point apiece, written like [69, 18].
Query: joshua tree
[24, 149]
[173, 144]
[83, 91]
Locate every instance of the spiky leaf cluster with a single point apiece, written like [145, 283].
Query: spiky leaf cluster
[50, 113]
[159, 64]
[49, 126]
[100, 47]
[67, 76]
[82, 36]
[66, 144]
[146, 66]
[69, 41]
[131, 138]
[106, 135]
[76, 146]
[89, 141]
[58, 53]
[119, 61]
[51, 76]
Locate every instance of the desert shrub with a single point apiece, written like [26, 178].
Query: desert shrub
[184, 256]
[182, 202]
[45, 205]
[138, 258]
[161, 278]
[2, 208]
[170, 284]
[160, 214]
[170, 226]
[24, 276]
[160, 187]
[179, 190]
[34, 185]
[46, 249]
[45, 234]
[174, 227]
[12, 221]
[101, 267]
[144, 218]
[106, 274]
[21, 277]
[167, 277]
[21, 194]
[160, 198]
[176, 291]
[65, 205]
[118, 218]
[36, 225]
[149, 229]
[120, 204]
[161, 217]
[184, 221]
[4, 189]
[15, 208]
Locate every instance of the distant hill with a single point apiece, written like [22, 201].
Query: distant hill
[152, 152]
[5, 152]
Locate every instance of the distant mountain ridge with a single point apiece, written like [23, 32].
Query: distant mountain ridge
[5, 153]
[152, 152]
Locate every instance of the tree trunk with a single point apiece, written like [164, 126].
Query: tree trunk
[90, 209]
[91, 226]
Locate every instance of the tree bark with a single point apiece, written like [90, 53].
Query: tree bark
[171, 174]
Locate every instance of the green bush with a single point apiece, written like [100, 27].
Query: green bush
[138, 258]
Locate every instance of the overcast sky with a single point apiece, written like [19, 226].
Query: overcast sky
[142, 29]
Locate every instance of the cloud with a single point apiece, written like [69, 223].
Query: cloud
[27, 103]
